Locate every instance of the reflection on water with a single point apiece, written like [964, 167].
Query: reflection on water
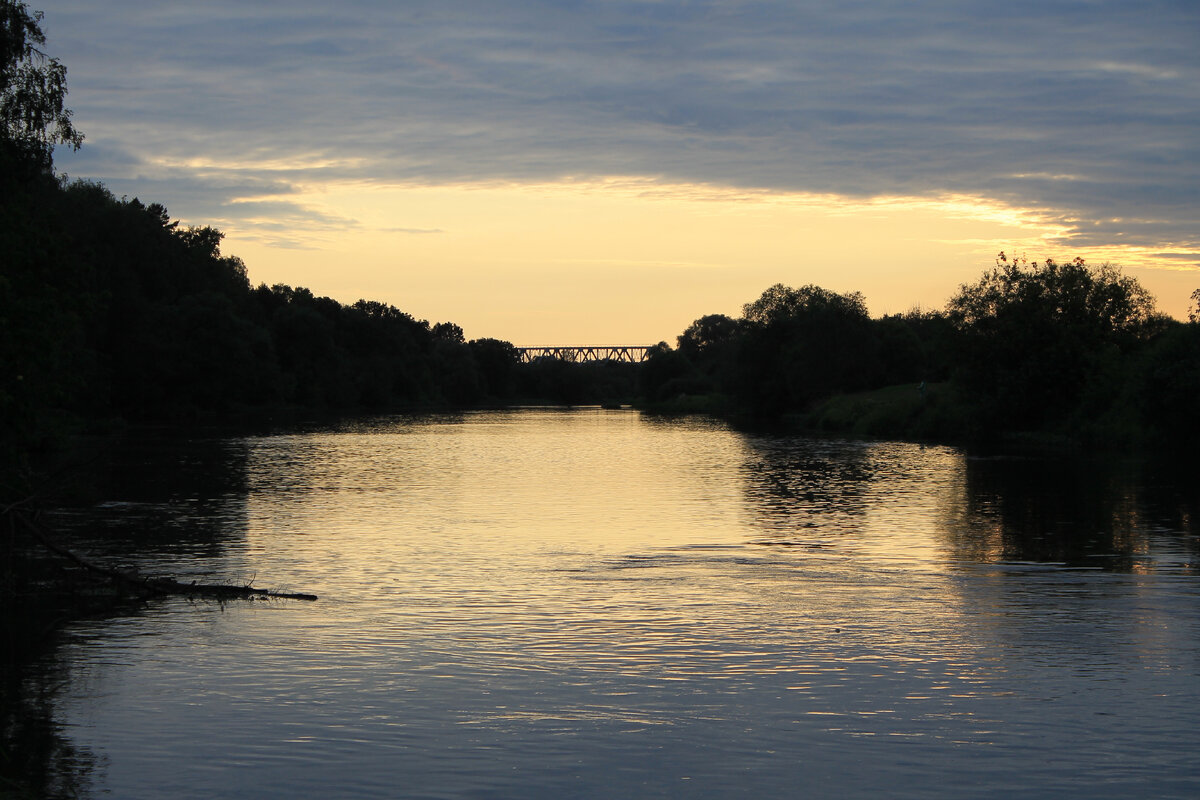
[37, 759]
[171, 501]
[1082, 514]
[600, 604]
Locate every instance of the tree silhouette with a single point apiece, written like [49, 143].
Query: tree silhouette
[708, 336]
[1039, 341]
[780, 302]
[801, 345]
[33, 91]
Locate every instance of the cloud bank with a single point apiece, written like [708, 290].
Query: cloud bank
[1087, 111]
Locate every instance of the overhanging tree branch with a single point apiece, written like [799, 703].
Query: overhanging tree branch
[33, 90]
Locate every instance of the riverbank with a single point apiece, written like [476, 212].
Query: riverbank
[931, 413]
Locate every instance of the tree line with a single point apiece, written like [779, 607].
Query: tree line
[111, 310]
[1062, 349]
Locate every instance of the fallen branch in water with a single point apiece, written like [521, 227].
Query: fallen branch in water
[146, 587]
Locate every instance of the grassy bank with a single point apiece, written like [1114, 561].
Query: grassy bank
[905, 411]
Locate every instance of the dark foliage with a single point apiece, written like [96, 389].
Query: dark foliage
[800, 345]
[793, 347]
[109, 310]
[551, 380]
[1041, 343]
[33, 92]
[669, 373]
[496, 362]
[1065, 350]
[1168, 382]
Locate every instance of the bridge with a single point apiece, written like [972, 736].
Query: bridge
[631, 354]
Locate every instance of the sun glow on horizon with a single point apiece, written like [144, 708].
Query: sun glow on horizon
[635, 260]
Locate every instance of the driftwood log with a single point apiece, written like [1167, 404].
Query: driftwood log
[131, 581]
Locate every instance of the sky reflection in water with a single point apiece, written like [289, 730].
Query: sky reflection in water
[599, 604]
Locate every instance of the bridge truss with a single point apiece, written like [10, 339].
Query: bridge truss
[629, 354]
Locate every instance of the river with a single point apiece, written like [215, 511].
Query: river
[598, 603]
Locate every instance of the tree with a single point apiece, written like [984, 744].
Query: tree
[1102, 300]
[1169, 385]
[33, 90]
[781, 302]
[666, 373]
[448, 332]
[497, 361]
[707, 336]
[1194, 311]
[1037, 341]
[911, 347]
[800, 345]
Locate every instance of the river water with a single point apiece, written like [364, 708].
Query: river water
[588, 603]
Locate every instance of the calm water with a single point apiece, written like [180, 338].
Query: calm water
[602, 604]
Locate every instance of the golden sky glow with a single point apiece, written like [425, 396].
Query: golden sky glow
[565, 173]
[634, 261]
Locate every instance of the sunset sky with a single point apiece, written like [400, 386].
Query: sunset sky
[568, 172]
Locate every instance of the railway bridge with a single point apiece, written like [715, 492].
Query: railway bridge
[631, 354]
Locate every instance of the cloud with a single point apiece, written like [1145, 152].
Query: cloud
[1089, 112]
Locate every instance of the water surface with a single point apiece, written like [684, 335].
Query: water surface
[598, 603]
